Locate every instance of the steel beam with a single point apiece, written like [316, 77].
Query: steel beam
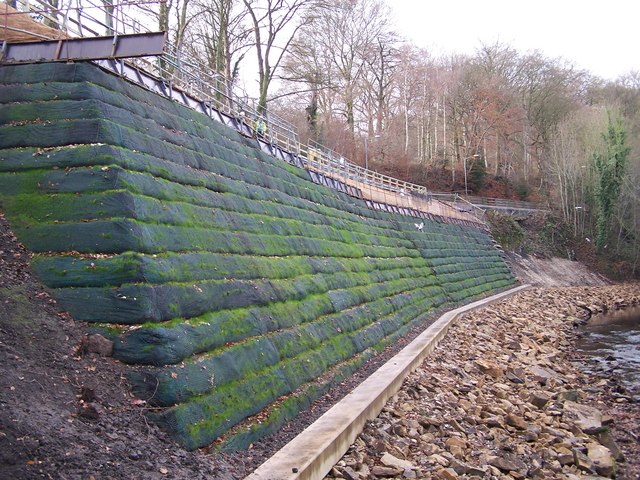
[88, 48]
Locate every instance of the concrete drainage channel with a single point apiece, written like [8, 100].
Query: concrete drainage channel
[312, 454]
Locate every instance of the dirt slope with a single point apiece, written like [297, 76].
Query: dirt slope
[66, 415]
[553, 272]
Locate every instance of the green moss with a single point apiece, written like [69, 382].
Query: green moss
[233, 264]
[16, 308]
[275, 416]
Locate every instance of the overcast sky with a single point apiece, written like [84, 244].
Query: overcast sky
[602, 37]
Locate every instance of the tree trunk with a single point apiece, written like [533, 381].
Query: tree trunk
[349, 108]
[109, 10]
[52, 9]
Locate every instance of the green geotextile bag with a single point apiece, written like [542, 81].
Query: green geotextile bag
[235, 284]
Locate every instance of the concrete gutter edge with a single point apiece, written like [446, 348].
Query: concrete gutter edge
[313, 453]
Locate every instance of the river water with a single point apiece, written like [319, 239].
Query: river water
[612, 344]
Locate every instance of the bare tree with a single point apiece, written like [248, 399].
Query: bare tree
[349, 35]
[275, 24]
[221, 40]
[183, 17]
[382, 62]
[308, 72]
[175, 18]
[550, 90]
[413, 99]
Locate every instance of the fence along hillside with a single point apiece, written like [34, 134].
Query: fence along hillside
[192, 84]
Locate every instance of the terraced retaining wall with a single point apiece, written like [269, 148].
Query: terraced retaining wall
[232, 284]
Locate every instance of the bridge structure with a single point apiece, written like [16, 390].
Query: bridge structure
[123, 42]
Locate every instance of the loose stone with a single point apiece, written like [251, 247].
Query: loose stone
[500, 397]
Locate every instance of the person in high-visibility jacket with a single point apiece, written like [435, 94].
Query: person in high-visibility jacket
[260, 126]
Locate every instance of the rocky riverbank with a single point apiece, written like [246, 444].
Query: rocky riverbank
[504, 396]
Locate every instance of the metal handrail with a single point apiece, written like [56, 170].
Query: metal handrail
[195, 79]
[332, 164]
[199, 82]
[504, 203]
[76, 18]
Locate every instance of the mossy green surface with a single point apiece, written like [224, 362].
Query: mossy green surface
[228, 276]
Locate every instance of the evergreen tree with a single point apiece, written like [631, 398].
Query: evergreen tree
[610, 166]
[477, 174]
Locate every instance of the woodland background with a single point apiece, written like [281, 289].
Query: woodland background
[519, 124]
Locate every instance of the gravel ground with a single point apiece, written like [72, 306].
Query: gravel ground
[504, 396]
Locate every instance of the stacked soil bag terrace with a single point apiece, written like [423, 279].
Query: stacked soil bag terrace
[230, 282]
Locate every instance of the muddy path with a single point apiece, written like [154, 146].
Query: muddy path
[66, 412]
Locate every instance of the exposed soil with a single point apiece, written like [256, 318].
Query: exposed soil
[553, 272]
[542, 235]
[67, 415]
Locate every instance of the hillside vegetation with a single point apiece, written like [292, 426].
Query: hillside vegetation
[544, 235]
